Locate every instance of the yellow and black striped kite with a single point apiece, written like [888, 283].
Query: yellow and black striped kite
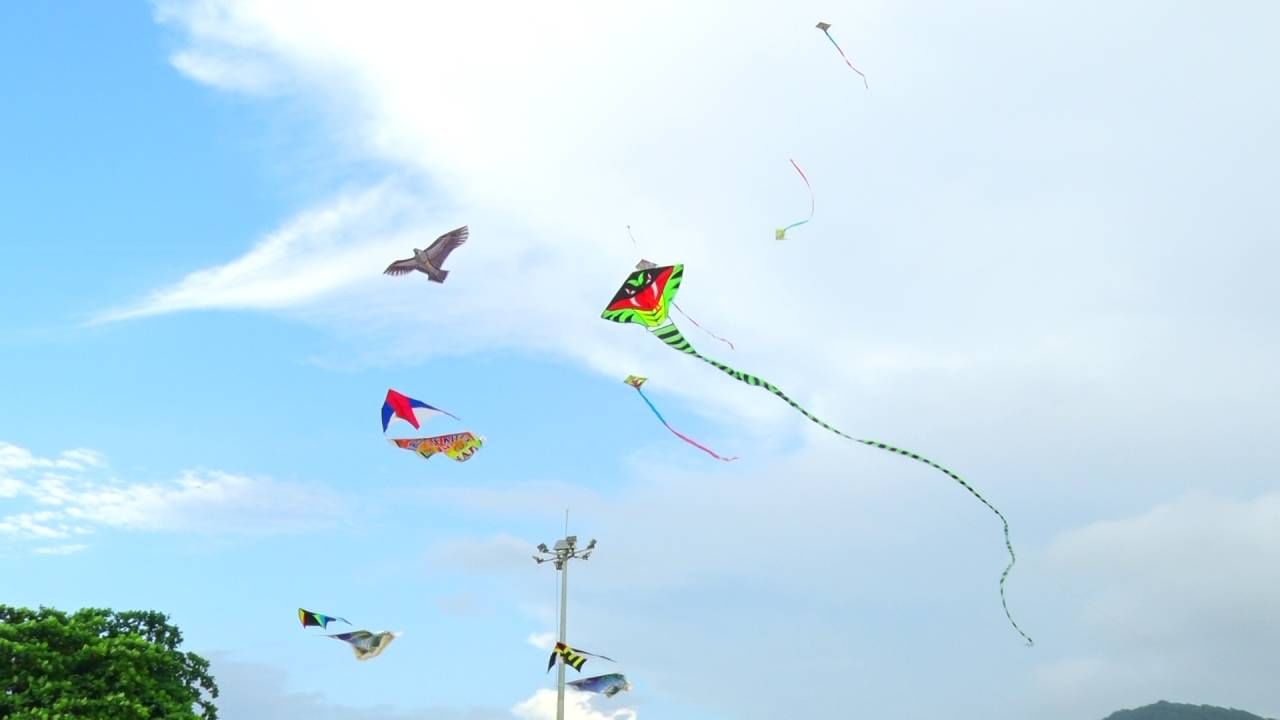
[572, 657]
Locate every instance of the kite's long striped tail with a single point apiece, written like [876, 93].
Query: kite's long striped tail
[671, 335]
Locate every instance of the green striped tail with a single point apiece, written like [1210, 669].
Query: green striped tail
[671, 335]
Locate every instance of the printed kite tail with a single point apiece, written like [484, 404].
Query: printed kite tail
[671, 335]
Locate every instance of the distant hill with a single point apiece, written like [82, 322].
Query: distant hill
[1178, 711]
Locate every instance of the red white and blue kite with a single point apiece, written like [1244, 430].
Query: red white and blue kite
[459, 446]
[414, 412]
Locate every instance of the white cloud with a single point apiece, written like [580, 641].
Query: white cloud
[542, 641]
[249, 691]
[13, 457]
[932, 264]
[226, 73]
[577, 706]
[1187, 590]
[60, 506]
[60, 549]
[496, 554]
[254, 690]
[318, 253]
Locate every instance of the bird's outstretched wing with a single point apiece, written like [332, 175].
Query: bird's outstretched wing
[400, 267]
[446, 244]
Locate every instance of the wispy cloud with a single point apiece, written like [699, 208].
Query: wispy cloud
[542, 641]
[60, 549]
[256, 690]
[13, 457]
[577, 706]
[316, 254]
[1181, 590]
[81, 500]
[501, 553]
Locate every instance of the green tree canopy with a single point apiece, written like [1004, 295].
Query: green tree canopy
[99, 664]
[1177, 711]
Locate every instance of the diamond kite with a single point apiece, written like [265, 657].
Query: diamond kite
[310, 619]
[414, 412]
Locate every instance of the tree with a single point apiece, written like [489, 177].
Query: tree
[99, 664]
[1164, 710]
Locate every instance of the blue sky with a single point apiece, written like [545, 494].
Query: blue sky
[1042, 256]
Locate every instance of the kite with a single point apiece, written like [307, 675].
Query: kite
[645, 265]
[429, 261]
[457, 446]
[573, 657]
[824, 27]
[309, 619]
[781, 233]
[635, 382]
[607, 685]
[367, 645]
[414, 412]
[644, 299]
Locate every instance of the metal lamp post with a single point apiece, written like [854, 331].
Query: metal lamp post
[564, 551]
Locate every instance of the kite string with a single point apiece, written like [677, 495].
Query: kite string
[686, 315]
[671, 335]
[699, 326]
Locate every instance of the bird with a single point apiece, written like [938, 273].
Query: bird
[429, 261]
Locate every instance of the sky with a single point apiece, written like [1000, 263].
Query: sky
[1042, 255]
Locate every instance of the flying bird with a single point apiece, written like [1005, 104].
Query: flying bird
[429, 261]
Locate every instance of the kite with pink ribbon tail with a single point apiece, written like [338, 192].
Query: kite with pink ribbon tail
[826, 26]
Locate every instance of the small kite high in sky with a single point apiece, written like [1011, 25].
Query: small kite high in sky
[310, 619]
[429, 261]
[398, 406]
[644, 299]
[825, 27]
[572, 657]
[607, 685]
[781, 233]
[635, 382]
[455, 446]
[367, 645]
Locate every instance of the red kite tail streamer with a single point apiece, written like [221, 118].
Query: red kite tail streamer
[781, 233]
[679, 434]
[846, 59]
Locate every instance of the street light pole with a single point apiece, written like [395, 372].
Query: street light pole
[564, 551]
